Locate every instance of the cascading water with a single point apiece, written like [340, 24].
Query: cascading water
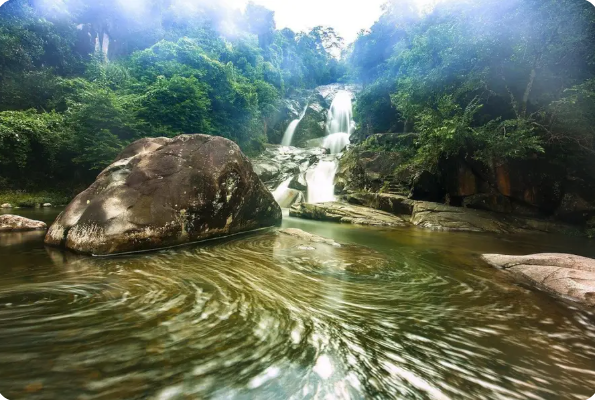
[340, 115]
[284, 196]
[290, 131]
[321, 180]
[336, 142]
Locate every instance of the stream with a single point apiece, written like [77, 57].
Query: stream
[242, 318]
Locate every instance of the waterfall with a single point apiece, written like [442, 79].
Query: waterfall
[340, 115]
[288, 136]
[339, 123]
[336, 142]
[284, 196]
[321, 182]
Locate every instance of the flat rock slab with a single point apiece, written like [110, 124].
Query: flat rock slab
[345, 213]
[16, 223]
[447, 218]
[565, 275]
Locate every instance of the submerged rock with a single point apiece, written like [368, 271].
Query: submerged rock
[163, 192]
[565, 275]
[15, 223]
[317, 254]
[346, 213]
[307, 237]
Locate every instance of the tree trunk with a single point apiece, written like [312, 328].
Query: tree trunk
[528, 91]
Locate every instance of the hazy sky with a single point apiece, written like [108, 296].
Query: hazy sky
[348, 17]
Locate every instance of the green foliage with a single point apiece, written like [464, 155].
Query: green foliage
[31, 141]
[489, 80]
[34, 199]
[80, 80]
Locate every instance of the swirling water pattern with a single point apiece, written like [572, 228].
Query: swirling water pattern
[409, 315]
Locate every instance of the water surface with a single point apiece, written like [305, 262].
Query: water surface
[412, 314]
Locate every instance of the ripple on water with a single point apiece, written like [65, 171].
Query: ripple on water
[269, 316]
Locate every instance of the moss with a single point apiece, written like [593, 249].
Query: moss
[22, 199]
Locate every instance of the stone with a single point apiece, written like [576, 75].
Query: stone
[390, 203]
[6, 205]
[536, 182]
[565, 275]
[299, 183]
[15, 223]
[165, 192]
[441, 217]
[277, 163]
[317, 254]
[345, 213]
[489, 202]
[308, 237]
[46, 205]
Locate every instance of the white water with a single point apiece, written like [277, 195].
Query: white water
[283, 195]
[321, 182]
[340, 116]
[290, 131]
[336, 142]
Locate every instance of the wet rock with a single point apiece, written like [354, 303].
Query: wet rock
[288, 197]
[390, 203]
[345, 213]
[164, 192]
[15, 223]
[440, 217]
[447, 218]
[317, 254]
[565, 275]
[308, 237]
[278, 163]
[6, 205]
[299, 183]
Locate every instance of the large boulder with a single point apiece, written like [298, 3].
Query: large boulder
[164, 192]
[565, 275]
[16, 223]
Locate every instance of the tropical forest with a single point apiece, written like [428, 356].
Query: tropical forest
[273, 199]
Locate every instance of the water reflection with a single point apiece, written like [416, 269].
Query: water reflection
[412, 315]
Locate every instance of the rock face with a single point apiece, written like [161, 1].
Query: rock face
[374, 170]
[537, 187]
[565, 275]
[283, 170]
[15, 223]
[346, 213]
[163, 192]
[278, 163]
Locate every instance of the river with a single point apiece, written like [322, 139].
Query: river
[244, 318]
